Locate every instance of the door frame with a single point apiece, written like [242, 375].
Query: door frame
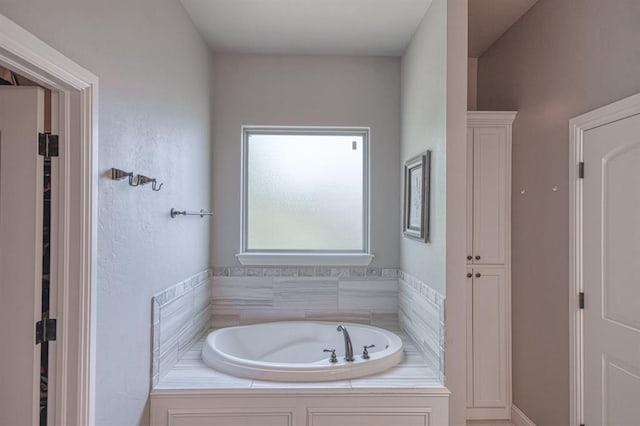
[577, 127]
[77, 125]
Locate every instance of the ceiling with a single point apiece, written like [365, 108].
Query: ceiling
[489, 19]
[341, 27]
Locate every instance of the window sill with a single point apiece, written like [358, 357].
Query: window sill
[304, 259]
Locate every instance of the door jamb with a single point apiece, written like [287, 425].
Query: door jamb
[22, 52]
[577, 127]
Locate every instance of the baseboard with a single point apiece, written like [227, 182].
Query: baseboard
[519, 418]
[489, 423]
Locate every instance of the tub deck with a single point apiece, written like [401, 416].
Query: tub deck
[190, 373]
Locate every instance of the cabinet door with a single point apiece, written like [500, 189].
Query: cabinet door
[490, 351]
[228, 417]
[490, 170]
[469, 330]
[375, 417]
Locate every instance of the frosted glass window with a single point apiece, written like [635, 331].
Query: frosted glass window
[305, 191]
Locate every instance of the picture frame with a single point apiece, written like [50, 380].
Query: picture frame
[417, 185]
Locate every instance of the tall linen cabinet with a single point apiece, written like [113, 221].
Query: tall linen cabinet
[489, 265]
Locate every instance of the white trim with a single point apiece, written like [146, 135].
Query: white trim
[519, 418]
[77, 88]
[577, 127]
[481, 118]
[303, 259]
[364, 132]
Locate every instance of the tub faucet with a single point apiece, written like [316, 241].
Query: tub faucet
[348, 347]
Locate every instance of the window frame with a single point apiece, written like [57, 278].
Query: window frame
[304, 257]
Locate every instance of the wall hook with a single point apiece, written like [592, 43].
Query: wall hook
[143, 180]
[118, 174]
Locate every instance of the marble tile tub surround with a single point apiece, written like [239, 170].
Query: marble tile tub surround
[221, 297]
[191, 373]
[421, 316]
[181, 316]
[251, 295]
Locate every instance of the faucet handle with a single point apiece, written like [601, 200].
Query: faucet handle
[334, 357]
[365, 352]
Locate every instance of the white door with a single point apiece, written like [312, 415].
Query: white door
[489, 195]
[611, 274]
[21, 199]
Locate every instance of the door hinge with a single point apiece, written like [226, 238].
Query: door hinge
[581, 300]
[46, 330]
[48, 145]
[581, 170]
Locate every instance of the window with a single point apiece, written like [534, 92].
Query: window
[305, 196]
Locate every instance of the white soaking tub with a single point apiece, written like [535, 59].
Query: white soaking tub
[293, 351]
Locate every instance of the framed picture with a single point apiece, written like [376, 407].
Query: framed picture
[417, 183]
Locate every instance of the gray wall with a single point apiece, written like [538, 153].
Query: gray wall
[424, 126]
[306, 91]
[154, 118]
[563, 58]
[472, 84]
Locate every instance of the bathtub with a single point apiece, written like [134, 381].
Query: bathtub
[293, 351]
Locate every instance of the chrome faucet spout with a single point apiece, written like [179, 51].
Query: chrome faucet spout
[348, 347]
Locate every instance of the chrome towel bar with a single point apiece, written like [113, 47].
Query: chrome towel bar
[201, 213]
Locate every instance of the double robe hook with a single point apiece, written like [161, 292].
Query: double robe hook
[135, 180]
[117, 174]
[143, 180]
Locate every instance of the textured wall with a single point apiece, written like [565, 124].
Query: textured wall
[307, 91]
[563, 58]
[154, 118]
[424, 126]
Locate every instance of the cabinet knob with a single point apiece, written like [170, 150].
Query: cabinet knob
[469, 275]
[478, 275]
[477, 257]
[469, 257]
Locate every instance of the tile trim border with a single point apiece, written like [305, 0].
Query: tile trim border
[306, 271]
[173, 292]
[424, 289]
